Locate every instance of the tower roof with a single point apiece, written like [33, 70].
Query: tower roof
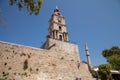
[86, 47]
[56, 11]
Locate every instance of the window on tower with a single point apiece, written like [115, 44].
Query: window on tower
[60, 28]
[60, 37]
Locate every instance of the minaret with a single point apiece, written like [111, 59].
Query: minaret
[88, 56]
[57, 27]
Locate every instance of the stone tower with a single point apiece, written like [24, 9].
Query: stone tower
[57, 27]
[57, 38]
[88, 55]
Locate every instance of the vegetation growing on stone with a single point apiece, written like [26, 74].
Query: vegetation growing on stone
[25, 64]
[4, 76]
[25, 74]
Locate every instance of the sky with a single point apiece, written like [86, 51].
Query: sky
[96, 22]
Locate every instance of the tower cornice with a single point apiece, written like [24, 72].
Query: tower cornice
[58, 15]
[59, 23]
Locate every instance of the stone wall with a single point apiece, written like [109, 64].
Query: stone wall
[19, 62]
[69, 49]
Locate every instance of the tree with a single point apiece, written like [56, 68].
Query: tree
[104, 72]
[32, 6]
[115, 50]
[113, 57]
[114, 61]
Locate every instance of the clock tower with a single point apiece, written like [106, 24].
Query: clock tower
[57, 27]
[57, 37]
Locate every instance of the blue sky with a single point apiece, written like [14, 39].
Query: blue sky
[96, 22]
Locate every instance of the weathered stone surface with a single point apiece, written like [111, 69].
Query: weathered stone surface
[41, 64]
[69, 49]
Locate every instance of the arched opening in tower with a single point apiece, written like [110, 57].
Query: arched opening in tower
[60, 28]
[60, 37]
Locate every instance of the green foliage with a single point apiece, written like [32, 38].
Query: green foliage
[113, 57]
[104, 72]
[4, 76]
[115, 50]
[114, 61]
[32, 6]
[94, 74]
[25, 64]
